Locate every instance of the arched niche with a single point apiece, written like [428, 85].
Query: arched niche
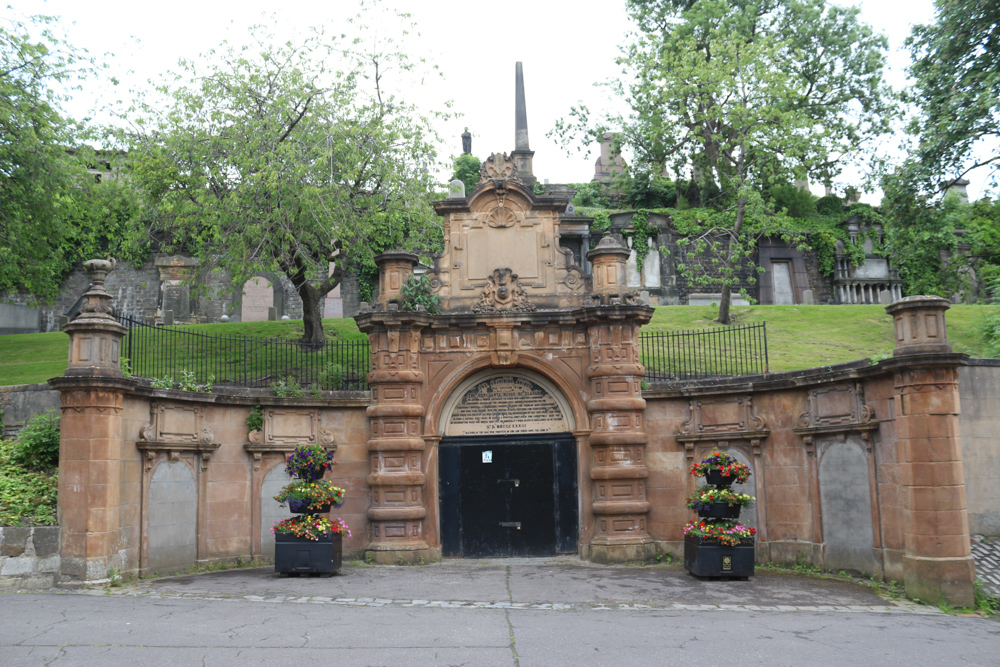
[845, 496]
[270, 509]
[173, 518]
[509, 402]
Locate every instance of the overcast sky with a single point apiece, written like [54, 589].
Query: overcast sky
[566, 47]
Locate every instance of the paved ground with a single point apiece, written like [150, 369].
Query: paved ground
[520, 612]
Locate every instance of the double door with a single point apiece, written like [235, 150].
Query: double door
[501, 496]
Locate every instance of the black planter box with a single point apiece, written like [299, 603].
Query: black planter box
[304, 556]
[716, 560]
[717, 479]
[720, 511]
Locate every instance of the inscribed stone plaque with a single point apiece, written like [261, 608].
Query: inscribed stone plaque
[506, 405]
[509, 247]
[782, 276]
[258, 296]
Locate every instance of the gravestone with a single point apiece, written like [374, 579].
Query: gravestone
[456, 189]
[885, 297]
[807, 298]
[258, 297]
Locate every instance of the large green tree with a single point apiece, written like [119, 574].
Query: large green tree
[44, 185]
[955, 128]
[287, 157]
[747, 92]
[956, 72]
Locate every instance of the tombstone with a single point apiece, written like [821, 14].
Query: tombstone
[885, 297]
[807, 298]
[17, 319]
[258, 299]
[272, 314]
[175, 285]
[168, 318]
[456, 189]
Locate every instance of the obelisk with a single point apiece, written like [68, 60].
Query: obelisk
[522, 152]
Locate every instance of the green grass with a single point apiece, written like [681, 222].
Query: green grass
[797, 336]
[809, 336]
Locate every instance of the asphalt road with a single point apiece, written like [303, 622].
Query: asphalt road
[516, 612]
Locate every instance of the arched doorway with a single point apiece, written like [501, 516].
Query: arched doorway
[507, 468]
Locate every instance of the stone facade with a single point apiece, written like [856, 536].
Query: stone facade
[856, 466]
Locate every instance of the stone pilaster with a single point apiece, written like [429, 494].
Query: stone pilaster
[396, 448]
[90, 456]
[937, 562]
[618, 439]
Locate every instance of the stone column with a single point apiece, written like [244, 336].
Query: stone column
[90, 467]
[396, 448]
[937, 562]
[618, 438]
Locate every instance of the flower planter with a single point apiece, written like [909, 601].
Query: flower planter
[299, 555]
[716, 478]
[708, 558]
[720, 511]
[305, 507]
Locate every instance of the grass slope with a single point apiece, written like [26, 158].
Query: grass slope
[797, 336]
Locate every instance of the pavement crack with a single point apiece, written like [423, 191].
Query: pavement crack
[510, 631]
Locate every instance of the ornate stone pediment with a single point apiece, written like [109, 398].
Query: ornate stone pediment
[499, 167]
[503, 294]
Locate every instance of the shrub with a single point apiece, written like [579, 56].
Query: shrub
[830, 205]
[37, 446]
[26, 498]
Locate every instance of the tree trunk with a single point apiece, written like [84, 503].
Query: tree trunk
[727, 298]
[312, 315]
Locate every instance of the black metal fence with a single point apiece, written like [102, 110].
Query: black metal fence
[178, 355]
[689, 355]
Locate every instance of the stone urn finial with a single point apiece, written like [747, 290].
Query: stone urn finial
[919, 325]
[608, 260]
[95, 336]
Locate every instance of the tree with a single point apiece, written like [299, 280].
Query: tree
[41, 179]
[466, 169]
[287, 158]
[748, 92]
[956, 126]
[956, 87]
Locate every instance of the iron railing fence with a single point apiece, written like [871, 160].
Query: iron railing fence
[690, 355]
[157, 352]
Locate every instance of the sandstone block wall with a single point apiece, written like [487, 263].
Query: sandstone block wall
[979, 422]
[29, 557]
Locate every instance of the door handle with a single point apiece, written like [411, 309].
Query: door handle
[515, 482]
[510, 524]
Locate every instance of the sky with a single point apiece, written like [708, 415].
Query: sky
[565, 47]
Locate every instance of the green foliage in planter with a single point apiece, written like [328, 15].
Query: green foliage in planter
[27, 498]
[416, 291]
[255, 420]
[37, 445]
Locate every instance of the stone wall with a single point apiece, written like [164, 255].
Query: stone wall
[138, 292]
[20, 401]
[29, 557]
[979, 385]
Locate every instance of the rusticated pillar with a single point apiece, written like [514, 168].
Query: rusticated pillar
[618, 438]
[94, 536]
[396, 447]
[937, 562]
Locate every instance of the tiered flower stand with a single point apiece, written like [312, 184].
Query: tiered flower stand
[707, 557]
